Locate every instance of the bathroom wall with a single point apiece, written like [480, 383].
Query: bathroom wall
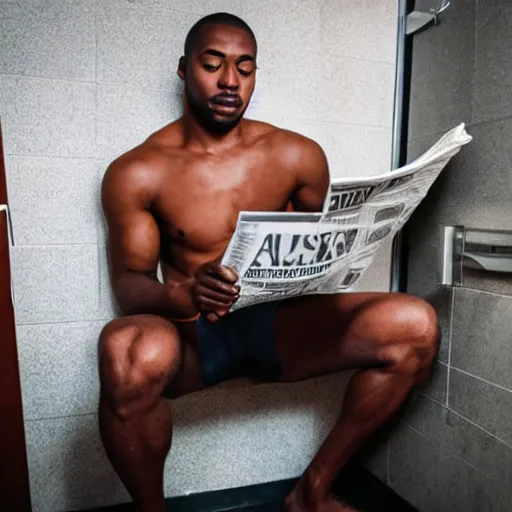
[453, 449]
[82, 81]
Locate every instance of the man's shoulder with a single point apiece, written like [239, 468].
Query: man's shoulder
[140, 164]
[136, 175]
[283, 139]
[295, 150]
[148, 163]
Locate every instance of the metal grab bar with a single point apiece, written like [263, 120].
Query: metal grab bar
[483, 249]
[4, 210]
[10, 233]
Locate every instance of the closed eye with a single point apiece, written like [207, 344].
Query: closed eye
[210, 68]
[246, 67]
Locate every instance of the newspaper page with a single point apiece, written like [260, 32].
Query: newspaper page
[279, 255]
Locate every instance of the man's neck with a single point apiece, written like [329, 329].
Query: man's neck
[199, 138]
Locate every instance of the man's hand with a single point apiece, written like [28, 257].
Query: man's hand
[215, 290]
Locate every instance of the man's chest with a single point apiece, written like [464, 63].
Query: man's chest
[201, 206]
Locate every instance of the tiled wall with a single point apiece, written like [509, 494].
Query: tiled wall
[81, 81]
[453, 450]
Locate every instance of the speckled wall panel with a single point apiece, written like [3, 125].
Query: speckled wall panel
[80, 83]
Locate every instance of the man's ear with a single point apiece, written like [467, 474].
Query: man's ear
[182, 68]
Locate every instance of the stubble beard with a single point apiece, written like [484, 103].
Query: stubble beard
[205, 116]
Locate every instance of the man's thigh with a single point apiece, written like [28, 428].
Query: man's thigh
[188, 379]
[313, 334]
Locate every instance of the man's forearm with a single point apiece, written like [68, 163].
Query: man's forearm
[138, 293]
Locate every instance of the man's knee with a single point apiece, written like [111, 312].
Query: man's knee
[137, 358]
[410, 326]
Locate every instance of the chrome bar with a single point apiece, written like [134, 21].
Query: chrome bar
[482, 249]
[449, 261]
[4, 210]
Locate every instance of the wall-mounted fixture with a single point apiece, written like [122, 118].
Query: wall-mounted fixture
[482, 249]
[418, 20]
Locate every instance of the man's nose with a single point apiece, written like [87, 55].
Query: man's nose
[229, 78]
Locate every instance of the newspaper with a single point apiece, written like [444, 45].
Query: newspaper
[279, 255]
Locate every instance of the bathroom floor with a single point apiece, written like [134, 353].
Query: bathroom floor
[355, 485]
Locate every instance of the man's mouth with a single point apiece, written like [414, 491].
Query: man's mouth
[227, 100]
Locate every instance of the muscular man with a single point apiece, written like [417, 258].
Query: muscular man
[175, 199]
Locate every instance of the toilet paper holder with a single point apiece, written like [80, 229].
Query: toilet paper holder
[482, 249]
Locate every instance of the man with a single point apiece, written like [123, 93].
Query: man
[176, 199]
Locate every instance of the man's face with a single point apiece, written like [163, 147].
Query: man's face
[220, 76]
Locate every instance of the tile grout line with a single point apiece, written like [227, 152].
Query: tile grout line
[419, 433]
[55, 157]
[58, 322]
[95, 78]
[170, 10]
[473, 66]
[452, 308]
[494, 436]
[33, 420]
[464, 418]
[96, 148]
[346, 123]
[426, 135]
[454, 455]
[361, 59]
[468, 126]
[284, 119]
[482, 379]
[90, 82]
[35, 77]
[487, 292]
[432, 399]
[95, 7]
[46, 246]
[98, 279]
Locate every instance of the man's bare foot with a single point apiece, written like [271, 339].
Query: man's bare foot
[330, 505]
[300, 500]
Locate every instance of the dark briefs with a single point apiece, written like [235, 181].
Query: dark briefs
[240, 344]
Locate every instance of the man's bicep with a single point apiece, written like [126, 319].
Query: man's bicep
[314, 180]
[134, 243]
[133, 235]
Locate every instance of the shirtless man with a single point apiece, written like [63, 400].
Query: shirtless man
[176, 199]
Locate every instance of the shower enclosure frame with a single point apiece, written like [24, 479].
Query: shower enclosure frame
[398, 273]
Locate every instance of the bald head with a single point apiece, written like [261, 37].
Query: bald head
[219, 18]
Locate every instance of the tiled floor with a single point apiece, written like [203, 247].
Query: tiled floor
[359, 488]
[355, 485]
